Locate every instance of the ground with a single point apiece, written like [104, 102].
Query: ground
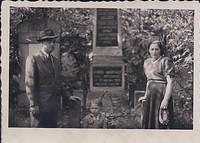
[117, 110]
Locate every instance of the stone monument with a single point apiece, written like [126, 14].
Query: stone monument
[107, 68]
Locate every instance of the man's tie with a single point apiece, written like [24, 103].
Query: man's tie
[50, 61]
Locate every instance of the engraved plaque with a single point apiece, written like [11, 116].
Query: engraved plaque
[107, 27]
[106, 76]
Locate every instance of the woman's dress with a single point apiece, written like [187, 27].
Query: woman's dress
[156, 73]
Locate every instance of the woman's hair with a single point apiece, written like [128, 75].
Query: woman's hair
[160, 45]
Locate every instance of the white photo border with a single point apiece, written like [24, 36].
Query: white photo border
[59, 135]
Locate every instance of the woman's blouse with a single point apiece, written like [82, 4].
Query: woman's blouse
[159, 69]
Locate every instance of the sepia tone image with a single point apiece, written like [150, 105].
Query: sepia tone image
[102, 68]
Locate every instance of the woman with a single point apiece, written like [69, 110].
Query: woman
[157, 101]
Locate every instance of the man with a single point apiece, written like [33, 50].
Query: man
[43, 83]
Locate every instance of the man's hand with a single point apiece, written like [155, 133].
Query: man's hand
[75, 98]
[34, 110]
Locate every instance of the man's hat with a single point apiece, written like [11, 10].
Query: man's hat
[47, 34]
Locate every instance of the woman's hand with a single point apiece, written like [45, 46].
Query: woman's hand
[164, 104]
[142, 99]
[34, 110]
[168, 93]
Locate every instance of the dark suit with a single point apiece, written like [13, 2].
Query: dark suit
[43, 87]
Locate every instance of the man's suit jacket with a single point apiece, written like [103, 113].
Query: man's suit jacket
[42, 82]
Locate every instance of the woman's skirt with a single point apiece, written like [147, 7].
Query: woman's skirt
[151, 107]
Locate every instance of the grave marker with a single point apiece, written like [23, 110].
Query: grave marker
[107, 69]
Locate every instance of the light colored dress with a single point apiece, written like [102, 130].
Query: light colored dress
[156, 73]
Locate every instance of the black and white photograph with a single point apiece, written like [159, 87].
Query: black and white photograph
[101, 68]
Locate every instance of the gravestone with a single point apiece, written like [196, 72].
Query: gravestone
[107, 68]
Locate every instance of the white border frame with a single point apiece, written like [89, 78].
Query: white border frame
[32, 135]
